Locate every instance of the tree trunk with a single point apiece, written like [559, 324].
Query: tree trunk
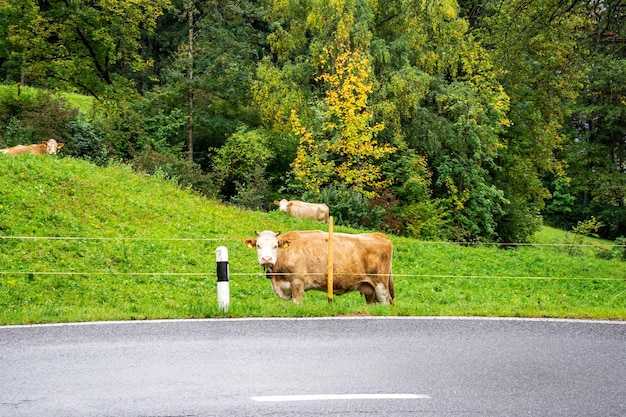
[190, 87]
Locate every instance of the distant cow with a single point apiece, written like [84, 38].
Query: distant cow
[297, 262]
[304, 210]
[49, 147]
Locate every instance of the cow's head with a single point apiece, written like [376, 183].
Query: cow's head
[283, 204]
[266, 245]
[52, 146]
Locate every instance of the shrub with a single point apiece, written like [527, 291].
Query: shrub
[87, 142]
[587, 228]
[348, 207]
[239, 168]
[621, 249]
[183, 172]
[34, 118]
[425, 220]
[254, 194]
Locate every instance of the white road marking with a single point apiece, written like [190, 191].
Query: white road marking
[333, 397]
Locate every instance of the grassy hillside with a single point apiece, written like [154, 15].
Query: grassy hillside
[79, 101]
[82, 243]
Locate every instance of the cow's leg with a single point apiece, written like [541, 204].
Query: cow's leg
[297, 290]
[281, 288]
[366, 290]
[382, 294]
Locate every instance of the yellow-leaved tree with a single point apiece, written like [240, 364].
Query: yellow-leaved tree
[343, 150]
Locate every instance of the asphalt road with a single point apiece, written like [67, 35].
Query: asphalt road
[315, 367]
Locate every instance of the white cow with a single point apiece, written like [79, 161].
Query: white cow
[304, 210]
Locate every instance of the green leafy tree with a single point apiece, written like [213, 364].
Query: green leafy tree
[344, 150]
[596, 150]
[537, 60]
[24, 50]
[440, 95]
[94, 46]
[426, 73]
[228, 41]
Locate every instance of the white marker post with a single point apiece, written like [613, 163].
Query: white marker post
[223, 287]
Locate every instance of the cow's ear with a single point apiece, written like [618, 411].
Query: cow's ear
[277, 202]
[283, 243]
[60, 145]
[251, 243]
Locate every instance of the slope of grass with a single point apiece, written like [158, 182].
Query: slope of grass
[79, 101]
[82, 243]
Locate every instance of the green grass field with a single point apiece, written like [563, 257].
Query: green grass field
[85, 243]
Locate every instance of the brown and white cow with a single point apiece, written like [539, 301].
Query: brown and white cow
[304, 210]
[49, 147]
[297, 262]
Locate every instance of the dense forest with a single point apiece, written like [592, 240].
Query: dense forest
[468, 120]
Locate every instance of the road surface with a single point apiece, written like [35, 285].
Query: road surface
[315, 367]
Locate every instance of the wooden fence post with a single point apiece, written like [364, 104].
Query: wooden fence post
[330, 260]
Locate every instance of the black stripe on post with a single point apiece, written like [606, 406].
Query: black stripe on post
[222, 271]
